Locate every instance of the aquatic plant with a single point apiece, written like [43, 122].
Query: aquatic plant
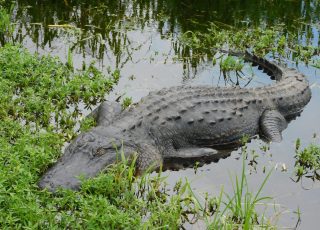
[103, 27]
[126, 102]
[316, 64]
[261, 41]
[6, 27]
[238, 210]
[307, 161]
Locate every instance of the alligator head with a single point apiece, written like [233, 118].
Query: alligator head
[86, 156]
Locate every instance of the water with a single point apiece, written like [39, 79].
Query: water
[141, 38]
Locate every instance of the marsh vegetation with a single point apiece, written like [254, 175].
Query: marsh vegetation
[44, 100]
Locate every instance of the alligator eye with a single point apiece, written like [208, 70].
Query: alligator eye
[88, 138]
[99, 152]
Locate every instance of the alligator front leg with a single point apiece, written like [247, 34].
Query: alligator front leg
[149, 158]
[105, 113]
[272, 123]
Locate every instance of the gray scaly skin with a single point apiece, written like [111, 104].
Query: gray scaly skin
[184, 122]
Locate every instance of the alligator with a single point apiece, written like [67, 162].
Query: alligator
[182, 122]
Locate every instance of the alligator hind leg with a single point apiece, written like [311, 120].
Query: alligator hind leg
[271, 125]
[106, 112]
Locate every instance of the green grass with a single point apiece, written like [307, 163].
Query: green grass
[40, 97]
[43, 91]
[238, 210]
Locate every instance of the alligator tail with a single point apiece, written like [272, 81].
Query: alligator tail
[272, 69]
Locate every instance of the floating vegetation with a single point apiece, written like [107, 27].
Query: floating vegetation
[307, 161]
[126, 102]
[261, 41]
[316, 64]
[229, 64]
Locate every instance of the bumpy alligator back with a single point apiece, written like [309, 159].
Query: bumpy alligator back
[291, 92]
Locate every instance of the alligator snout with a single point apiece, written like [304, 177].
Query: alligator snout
[66, 172]
[52, 182]
[82, 158]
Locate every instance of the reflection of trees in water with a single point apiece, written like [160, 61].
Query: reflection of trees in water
[94, 27]
[104, 24]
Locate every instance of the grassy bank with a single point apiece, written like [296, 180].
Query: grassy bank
[40, 107]
[39, 110]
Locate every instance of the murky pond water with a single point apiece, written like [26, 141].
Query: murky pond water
[141, 39]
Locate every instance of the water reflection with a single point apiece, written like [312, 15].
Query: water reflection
[100, 27]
